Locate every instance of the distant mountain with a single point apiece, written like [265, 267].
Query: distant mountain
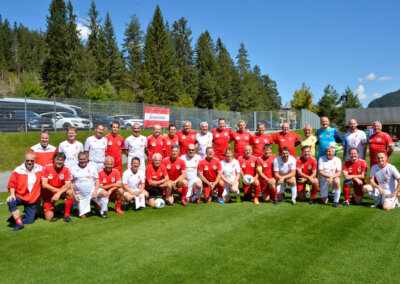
[388, 100]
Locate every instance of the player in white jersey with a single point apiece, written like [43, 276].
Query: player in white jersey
[133, 181]
[204, 139]
[285, 174]
[330, 169]
[85, 182]
[71, 148]
[230, 176]
[96, 146]
[384, 183]
[192, 161]
[355, 138]
[135, 146]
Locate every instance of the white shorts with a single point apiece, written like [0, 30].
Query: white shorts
[191, 184]
[98, 166]
[125, 192]
[324, 187]
[227, 189]
[281, 188]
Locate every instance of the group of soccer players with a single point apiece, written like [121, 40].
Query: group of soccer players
[80, 174]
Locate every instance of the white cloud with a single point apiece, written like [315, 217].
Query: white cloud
[370, 77]
[84, 31]
[360, 92]
[376, 95]
[385, 78]
[360, 80]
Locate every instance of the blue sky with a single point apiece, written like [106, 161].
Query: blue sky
[343, 43]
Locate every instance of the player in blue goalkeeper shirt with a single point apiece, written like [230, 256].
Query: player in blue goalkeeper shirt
[327, 135]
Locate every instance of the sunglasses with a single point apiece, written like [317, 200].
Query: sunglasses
[191, 150]
[30, 161]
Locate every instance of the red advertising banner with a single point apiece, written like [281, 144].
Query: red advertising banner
[156, 115]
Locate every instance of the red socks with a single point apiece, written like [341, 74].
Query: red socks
[257, 190]
[18, 221]
[346, 192]
[118, 206]
[68, 205]
[184, 192]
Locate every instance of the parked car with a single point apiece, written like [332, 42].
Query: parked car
[101, 118]
[63, 120]
[11, 121]
[128, 120]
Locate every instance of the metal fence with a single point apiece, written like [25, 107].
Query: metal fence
[56, 114]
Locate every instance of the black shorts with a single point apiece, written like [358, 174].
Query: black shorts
[154, 191]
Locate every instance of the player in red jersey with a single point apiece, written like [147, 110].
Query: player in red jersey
[248, 167]
[157, 180]
[56, 184]
[221, 137]
[115, 146]
[241, 138]
[170, 139]
[186, 136]
[176, 169]
[110, 182]
[43, 150]
[266, 173]
[285, 138]
[379, 141]
[306, 167]
[354, 175]
[259, 139]
[155, 143]
[210, 171]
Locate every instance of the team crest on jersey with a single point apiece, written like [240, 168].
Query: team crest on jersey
[183, 137]
[226, 134]
[309, 167]
[168, 167]
[154, 144]
[168, 143]
[253, 165]
[350, 170]
[329, 135]
[359, 169]
[162, 143]
[193, 136]
[265, 165]
[206, 168]
[119, 143]
[178, 167]
[283, 140]
[217, 135]
[215, 167]
[246, 137]
[113, 179]
[154, 176]
[61, 176]
[104, 180]
[104, 143]
[244, 165]
[379, 138]
[50, 176]
[237, 138]
[266, 140]
[110, 143]
[257, 141]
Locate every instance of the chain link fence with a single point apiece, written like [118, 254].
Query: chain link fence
[56, 114]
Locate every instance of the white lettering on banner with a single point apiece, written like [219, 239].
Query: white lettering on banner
[156, 115]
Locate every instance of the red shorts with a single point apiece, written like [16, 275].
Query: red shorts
[48, 205]
[207, 190]
[112, 196]
[357, 188]
[264, 187]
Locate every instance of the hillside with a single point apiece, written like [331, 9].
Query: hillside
[388, 100]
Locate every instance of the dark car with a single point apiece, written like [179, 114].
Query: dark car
[14, 121]
[101, 118]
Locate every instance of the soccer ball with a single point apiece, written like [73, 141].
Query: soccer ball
[248, 179]
[336, 146]
[159, 203]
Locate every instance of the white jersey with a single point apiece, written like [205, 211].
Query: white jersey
[355, 139]
[387, 177]
[71, 151]
[133, 180]
[83, 179]
[191, 165]
[282, 167]
[331, 166]
[230, 170]
[96, 148]
[136, 147]
[203, 141]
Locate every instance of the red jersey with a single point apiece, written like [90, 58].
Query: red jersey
[210, 169]
[221, 142]
[248, 166]
[174, 168]
[307, 167]
[21, 181]
[169, 142]
[115, 145]
[155, 174]
[185, 139]
[44, 156]
[155, 145]
[358, 168]
[56, 178]
[107, 179]
[378, 142]
[287, 140]
[266, 164]
[240, 140]
[258, 142]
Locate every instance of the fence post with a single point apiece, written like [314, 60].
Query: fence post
[26, 117]
[270, 119]
[54, 113]
[119, 112]
[288, 118]
[90, 117]
[255, 121]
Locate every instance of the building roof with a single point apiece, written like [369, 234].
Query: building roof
[366, 116]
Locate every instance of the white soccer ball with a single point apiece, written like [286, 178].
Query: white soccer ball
[248, 179]
[159, 203]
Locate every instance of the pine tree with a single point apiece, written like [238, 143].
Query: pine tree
[328, 104]
[243, 62]
[349, 100]
[224, 74]
[160, 78]
[54, 69]
[133, 50]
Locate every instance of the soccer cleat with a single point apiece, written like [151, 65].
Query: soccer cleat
[376, 204]
[169, 204]
[198, 201]
[119, 211]
[346, 203]
[336, 204]
[184, 203]
[10, 219]
[256, 202]
[294, 202]
[125, 206]
[221, 201]
[276, 202]
[104, 215]
[68, 219]
[312, 201]
[17, 228]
